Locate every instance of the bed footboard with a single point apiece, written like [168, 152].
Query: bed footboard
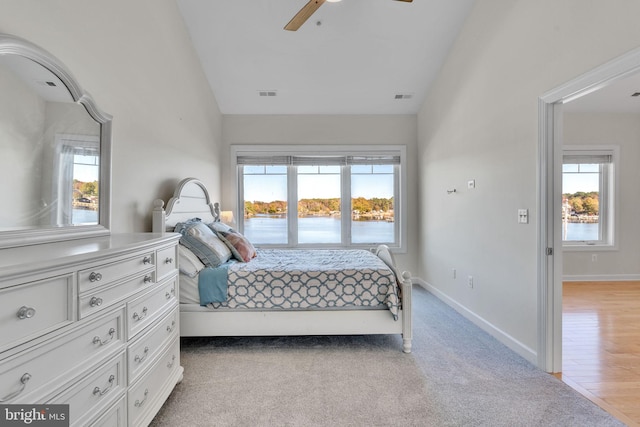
[201, 322]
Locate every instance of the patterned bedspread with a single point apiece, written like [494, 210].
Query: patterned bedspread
[311, 279]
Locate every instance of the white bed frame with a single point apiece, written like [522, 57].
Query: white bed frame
[191, 200]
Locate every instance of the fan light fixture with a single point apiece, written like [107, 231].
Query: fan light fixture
[308, 10]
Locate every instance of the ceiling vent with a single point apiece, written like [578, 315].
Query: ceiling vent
[267, 92]
[404, 96]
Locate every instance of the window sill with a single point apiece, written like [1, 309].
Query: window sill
[589, 248]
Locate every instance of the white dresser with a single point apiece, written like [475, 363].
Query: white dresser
[92, 323]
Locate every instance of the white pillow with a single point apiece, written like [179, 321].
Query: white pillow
[203, 242]
[188, 262]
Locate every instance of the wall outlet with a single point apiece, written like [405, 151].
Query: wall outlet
[594, 257]
[471, 183]
[470, 281]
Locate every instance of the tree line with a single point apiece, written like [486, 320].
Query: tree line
[86, 188]
[319, 206]
[584, 203]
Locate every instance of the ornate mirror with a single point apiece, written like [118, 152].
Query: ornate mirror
[55, 151]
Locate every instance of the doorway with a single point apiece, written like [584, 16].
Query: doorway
[550, 258]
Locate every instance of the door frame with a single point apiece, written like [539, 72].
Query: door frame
[550, 195]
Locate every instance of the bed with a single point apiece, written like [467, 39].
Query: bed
[275, 292]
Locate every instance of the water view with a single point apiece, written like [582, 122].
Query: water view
[326, 230]
[580, 231]
[84, 216]
[273, 229]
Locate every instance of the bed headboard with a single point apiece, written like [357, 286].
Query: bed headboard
[190, 200]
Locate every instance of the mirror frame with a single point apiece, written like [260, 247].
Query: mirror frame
[12, 45]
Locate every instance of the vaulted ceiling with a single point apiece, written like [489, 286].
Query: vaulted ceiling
[351, 57]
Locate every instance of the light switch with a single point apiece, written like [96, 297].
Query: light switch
[523, 216]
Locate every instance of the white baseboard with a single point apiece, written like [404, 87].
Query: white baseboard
[600, 277]
[526, 352]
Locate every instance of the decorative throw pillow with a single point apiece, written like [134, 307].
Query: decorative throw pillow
[203, 242]
[189, 263]
[240, 246]
[220, 227]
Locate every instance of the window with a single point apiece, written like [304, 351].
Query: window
[266, 204]
[588, 195]
[342, 197]
[76, 179]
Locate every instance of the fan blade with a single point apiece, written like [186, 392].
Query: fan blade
[406, 1]
[304, 14]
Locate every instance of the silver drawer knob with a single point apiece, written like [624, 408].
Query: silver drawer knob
[137, 317]
[23, 381]
[25, 312]
[95, 277]
[98, 340]
[95, 302]
[170, 327]
[147, 279]
[146, 260]
[170, 364]
[139, 402]
[168, 260]
[100, 392]
[139, 358]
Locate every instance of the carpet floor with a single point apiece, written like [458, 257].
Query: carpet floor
[457, 375]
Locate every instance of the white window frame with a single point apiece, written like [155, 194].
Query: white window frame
[400, 214]
[608, 197]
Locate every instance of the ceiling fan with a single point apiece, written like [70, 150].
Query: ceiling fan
[308, 10]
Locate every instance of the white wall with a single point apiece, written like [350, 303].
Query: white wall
[622, 130]
[326, 130]
[136, 60]
[480, 122]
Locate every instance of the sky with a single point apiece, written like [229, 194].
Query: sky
[266, 188]
[83, 172]
[572, 183]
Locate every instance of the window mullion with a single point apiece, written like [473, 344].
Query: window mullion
[396, 204]
[345, 204]
[292, 205]
[602, 203]
[240, 198]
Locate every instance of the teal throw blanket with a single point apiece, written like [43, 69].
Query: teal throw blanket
[212, 284]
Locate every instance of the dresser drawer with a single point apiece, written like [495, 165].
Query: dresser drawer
[33, 309]
[45, 368]
[148, 347]
[99, 298]
[167, 261]
[144, 310]
[95, 392]
[116, 416]
[146, 396]
[108, 273]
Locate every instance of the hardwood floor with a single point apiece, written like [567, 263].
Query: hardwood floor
[601, 345]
